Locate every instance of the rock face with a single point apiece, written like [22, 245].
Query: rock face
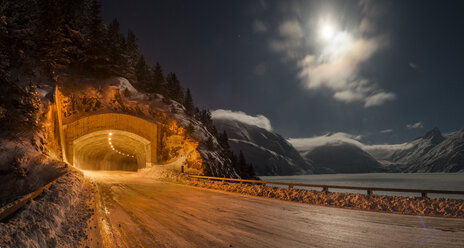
[342, 158]
[177, 148]
[270, 153]
[433, 152]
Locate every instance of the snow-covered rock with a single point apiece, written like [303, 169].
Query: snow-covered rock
[269, 153]
[433, 152]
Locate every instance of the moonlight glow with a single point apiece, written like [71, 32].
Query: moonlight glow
[327, 31]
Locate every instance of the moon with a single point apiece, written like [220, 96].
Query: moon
[327, 31]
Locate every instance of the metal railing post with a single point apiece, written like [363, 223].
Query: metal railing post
[325, 189]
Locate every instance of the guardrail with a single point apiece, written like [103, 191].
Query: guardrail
[325, 188]
[12, 207]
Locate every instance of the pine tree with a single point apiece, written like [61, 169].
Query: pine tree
[4, 44]
[143, 76]
[174, 88]
[97, 61]
[188, 103]
[132, 46]
[54, 45]
[76, 20]
[22, 19]
[241, 160]
[224, 140]
[132, 50]
[22, 106]
[117, 50]
[157, 83]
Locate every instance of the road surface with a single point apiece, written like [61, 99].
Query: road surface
[132, 211]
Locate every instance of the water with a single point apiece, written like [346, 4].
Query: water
[436, 181]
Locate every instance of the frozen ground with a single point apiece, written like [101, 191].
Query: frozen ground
[57, 218]
[135, 210]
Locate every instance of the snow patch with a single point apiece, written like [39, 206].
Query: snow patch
[259, 120]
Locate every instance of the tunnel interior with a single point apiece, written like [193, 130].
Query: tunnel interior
[111, 150]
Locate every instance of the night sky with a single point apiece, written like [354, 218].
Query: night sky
[366, 68]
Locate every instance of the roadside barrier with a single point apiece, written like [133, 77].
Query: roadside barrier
[12, 207]
[325, 188]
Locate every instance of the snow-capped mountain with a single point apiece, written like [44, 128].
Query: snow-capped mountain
[341, 157]
[433, 152]
[269, 152]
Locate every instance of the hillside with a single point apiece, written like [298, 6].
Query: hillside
[269, 153]
[342, 158]
[49, 43]
[433, 152]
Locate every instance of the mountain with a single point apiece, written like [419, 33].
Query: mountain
[342, 157]
[433, 152]
[269, 153]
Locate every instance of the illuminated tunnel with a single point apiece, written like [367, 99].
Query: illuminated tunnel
[111, 141]
[111, 150]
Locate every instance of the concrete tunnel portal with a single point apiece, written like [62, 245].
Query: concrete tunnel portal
[110, 141]
[111, 150]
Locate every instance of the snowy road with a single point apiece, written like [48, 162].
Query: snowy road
[139, 212]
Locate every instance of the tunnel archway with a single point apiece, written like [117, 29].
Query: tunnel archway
[111, 150]
[111, 141]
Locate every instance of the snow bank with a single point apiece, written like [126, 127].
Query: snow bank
[23, 169]
[57, 218]
[379, 203]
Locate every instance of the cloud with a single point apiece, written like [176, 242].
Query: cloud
[337, 69]
[386, 131]
[308, 144]
[304, 145]
[259, 26]
[291, 29]
[335, 62]
[415, 125]
[289, 40]
[378, 99]
[413, 65]
[259, 120]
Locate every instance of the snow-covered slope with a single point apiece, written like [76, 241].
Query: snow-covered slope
[342, 157]
[269, 153]
[434, 152]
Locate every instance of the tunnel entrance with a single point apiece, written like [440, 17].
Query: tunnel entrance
[111, 150]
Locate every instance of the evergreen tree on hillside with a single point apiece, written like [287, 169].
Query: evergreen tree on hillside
[188, 103]
[4, 42]
[205, 117]
[22, 105]
[21, 20]
[52, 42]
[158, 82]
[132, 46]
[245, 168]
[117, 50]
[143, 75]
[75, 14]
[174, 88]
[76, 18]
[132, 49]
[97, 61]
[224, 140]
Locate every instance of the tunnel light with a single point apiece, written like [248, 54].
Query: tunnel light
[110, 134]
[109, 138]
